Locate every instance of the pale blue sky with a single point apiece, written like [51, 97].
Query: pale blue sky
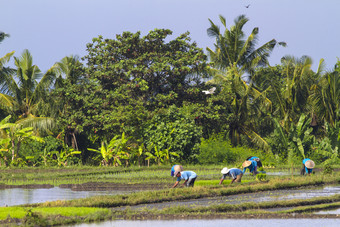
[53, 29]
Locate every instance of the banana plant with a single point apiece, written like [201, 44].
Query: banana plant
[160, 156]
[62, 157]
[113, 152]
[13, 134]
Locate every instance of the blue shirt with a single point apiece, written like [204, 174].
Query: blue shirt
[306, 169]
[186, 175]
[253, 158]
[251, 167]
[233, 172]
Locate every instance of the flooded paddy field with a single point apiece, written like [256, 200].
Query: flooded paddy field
[219, 223]
[276, 195]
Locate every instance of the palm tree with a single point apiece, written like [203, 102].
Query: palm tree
[5, 101]
[231, 47]
[293, 97]
[246, 106]
[69, 68]
[25, 89]
[326, 95]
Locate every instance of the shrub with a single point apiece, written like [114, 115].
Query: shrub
[216, 150]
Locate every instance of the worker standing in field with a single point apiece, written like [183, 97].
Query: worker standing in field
[175, 168]
[251, 165]
[189, 178]
[234, 173]
[258, 161]
[307, 166]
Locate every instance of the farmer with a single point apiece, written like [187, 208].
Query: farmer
[259, 163]
[307, 166]
[234, 173]
[251, 165]
[188, 176]
[175, 168]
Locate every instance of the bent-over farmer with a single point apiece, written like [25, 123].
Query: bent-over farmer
[251, 165]
[175, 168]
[307, 166]
[234, 173]
[257, 159]
[188, 176]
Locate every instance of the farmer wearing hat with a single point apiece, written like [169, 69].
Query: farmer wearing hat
[188, 176]
[258, 161]
[234, 173]
[175, 168]
[307, 166]
[251, 165]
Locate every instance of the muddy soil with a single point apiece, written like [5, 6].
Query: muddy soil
[93, 186]
[105, 186]
[27, 186]
[275, 195]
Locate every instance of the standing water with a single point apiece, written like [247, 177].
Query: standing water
[19, 196]
[219, 223]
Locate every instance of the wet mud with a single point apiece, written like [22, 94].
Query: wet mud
[104, 186]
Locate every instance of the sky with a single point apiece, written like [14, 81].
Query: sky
[53, 29]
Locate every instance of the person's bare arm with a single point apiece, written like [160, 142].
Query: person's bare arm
[185, 182]
[175, 185]
[233, 180]
[221, 180]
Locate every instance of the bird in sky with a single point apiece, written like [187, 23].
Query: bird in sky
[247, 6]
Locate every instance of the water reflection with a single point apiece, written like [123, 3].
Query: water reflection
[220, 223]
[19, 196]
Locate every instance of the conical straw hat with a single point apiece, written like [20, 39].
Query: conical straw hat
[310, 164]
[246, 164]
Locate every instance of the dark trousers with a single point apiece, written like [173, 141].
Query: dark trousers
[191, 182]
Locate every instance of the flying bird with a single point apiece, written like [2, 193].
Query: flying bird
[210, 91]
[247, 6]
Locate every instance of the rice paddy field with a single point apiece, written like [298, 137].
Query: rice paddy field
[101, 194]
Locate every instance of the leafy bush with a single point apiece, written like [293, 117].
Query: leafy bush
[172, 129]
[216, 150]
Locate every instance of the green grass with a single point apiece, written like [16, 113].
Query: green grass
[21, 212]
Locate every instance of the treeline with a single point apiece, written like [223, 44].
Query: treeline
[151, 99]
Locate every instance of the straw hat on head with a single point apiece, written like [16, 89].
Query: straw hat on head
[246, 164]
[310, 164]
[178, 168]
[225, 170]
[176, 172]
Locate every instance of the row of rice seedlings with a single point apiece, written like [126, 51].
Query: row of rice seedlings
[314, 208]
[178, 194]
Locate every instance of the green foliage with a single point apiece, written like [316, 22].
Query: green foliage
[39, 154]
[261, 177]
[216, 150]
[328, 169]
[327, 150]
[113, 152]
[295, 143]
[172, 129]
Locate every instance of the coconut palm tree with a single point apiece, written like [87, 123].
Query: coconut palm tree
[5, 101]
[246, 106]
[293, 97]
[326, 95]
[231, 47]
[25, 89]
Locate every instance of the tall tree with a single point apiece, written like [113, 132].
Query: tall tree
[5, 101]
[326, 95]
[26, 89]
[233, 48]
